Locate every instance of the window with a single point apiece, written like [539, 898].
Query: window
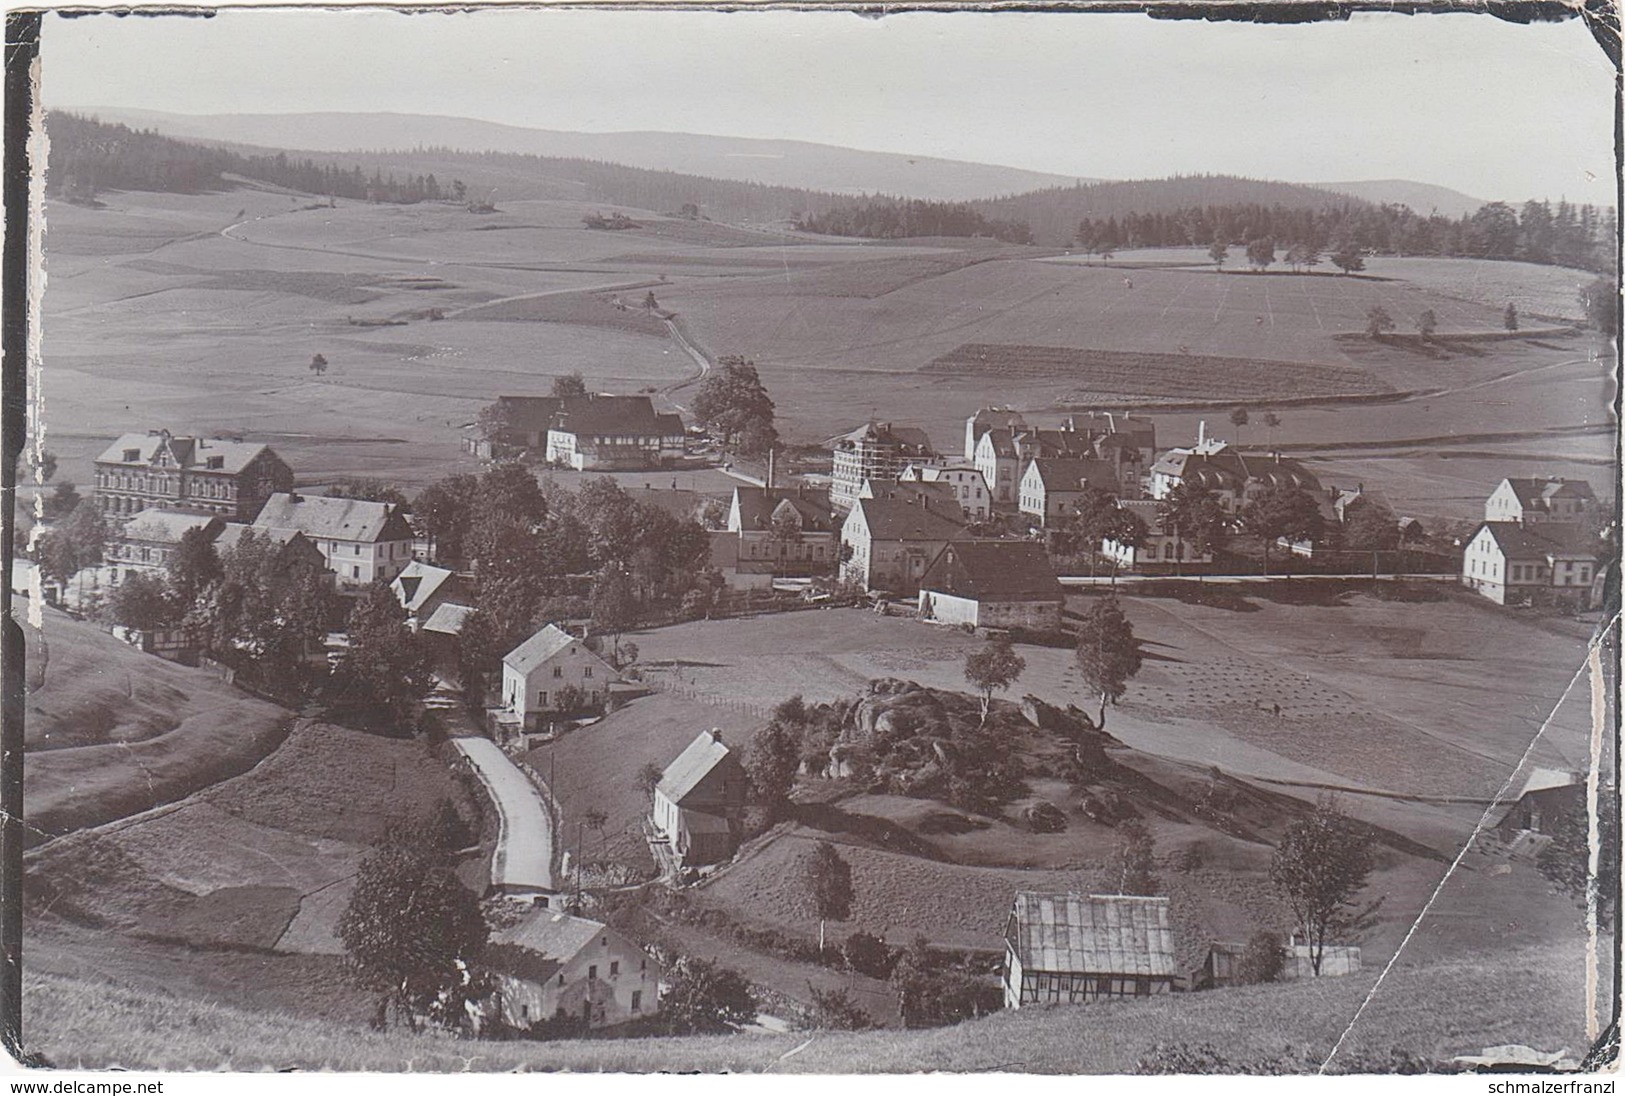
[592, 973]
[524, 1013]
[586, 671]
[637, 1000]
[541, 699]
[356, 548]
[561, 979]
[558, 671]
[614, 968]
[643, 964]
[355, 572]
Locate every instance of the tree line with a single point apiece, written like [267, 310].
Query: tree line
[1579, 236]
[88, 156]
[892, 219]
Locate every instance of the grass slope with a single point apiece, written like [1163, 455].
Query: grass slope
[1436, 1012]
[111, 731]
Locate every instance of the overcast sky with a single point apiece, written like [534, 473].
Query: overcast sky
[1490, 108]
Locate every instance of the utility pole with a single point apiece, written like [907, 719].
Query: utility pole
[580, 826]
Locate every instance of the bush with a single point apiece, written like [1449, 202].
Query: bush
[1262, 959]
[1044, 817]
[868, 954]
[835, 1011]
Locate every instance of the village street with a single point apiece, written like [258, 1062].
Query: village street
[523, 859]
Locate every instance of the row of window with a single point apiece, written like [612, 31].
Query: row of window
[204, 487]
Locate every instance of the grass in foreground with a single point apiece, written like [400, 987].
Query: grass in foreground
[1529, 996]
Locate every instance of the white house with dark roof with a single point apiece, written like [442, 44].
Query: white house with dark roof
[149, 539]
[1235, 478]
[970, 489]
[160, 470]
[538, 674]
[1539, 501]
[1051, 487]
[699, 803]
[363, 541]
[1078, 948]
[1546, 563]
[993, 584]
[889, 543]
[1161, 547]
[776, 532]
[614, 433]
[550, 965]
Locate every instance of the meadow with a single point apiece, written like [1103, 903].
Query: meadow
[216, 304]
[110, 731]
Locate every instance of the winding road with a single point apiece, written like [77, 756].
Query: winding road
[523, 859]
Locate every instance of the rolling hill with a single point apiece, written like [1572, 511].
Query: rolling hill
[799, 164]
[1424, 198]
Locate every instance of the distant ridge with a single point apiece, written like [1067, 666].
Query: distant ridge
[1423, 198]
[800, 164]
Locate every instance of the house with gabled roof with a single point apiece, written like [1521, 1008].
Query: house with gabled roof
[888, 543]
[362, 541]
[160, 470]
[699, 803]
[1547, 563]
[1051, 487]
[993, 584]
[549, 965]
[512, 427]
[422, 588]
[1539, 501]
[1547, 799]
[614, 433]
[149, 539]
[552, 674]
[1235, 478]
[776, 532]
[969, 488]
[1161, 547]
[1077, 948]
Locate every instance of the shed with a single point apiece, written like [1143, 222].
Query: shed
[993, 584]
[1547, 798]
[1076, 948]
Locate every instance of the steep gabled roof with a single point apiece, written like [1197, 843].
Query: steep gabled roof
[529, 414]
[320, 517]
[231, 534]
[615, 415]
[998, 570]
[758, 504]
[908, 438]
[1092, 934]
[551, 938]
[940, 492]
[1536, 493]
[899, 519]
[1148, 511]
[1538, 541]
[418, 582]
[693, 765]
[539, 648]
[1071, 473]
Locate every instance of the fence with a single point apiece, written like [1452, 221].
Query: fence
[654, 681]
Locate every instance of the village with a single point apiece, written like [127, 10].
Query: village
[492, 610]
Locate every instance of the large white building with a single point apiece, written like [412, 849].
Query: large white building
[874, 451]
[1541, 564]
[552, 966]
[362, 541]
[889, 542]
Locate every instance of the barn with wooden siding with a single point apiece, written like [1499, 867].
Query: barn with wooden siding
[1077, 948]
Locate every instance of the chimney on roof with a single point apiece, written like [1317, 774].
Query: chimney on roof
[295, 496]
[716, 734]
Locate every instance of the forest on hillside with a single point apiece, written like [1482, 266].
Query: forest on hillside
[891, 219]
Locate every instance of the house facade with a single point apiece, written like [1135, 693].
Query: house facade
[1001, 444]
[699, 803]
[149, 539]
[1161, 548]
[550, 965]
[1539, 501]
[164, 471]
[1079, 948]
[614, 433]
[1547, 563]
[550, 669]
[512, 428]
[1051, 487]
[970, 489]
[1234, 478]
[362, 541]
[422, 588]
[887, 544]
[993, 584]
[776, 532]
[874, 451]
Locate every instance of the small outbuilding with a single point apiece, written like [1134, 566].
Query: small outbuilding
[993, 584]
[1222, 967]
[1548, 798]
[1078, 948]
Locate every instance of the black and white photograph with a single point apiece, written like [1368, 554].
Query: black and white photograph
[613, 539]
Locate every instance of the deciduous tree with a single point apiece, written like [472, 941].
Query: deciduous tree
[386, 667]
[412, 932]
[1133, 864]
[569, 384]
[771, 762]
[829, 884]
[1509, 318]
[142, 602]
[1260, 253]
[1426, 324]
[731, 399]
[1219, 251]
[1108, 653]
[702, 997]
[1322, 862]
[1348, 259]
[1377, 322]
[1282, 510]
[993, 667]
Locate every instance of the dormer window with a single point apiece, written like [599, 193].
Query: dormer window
[217, 463]
[132, 455]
